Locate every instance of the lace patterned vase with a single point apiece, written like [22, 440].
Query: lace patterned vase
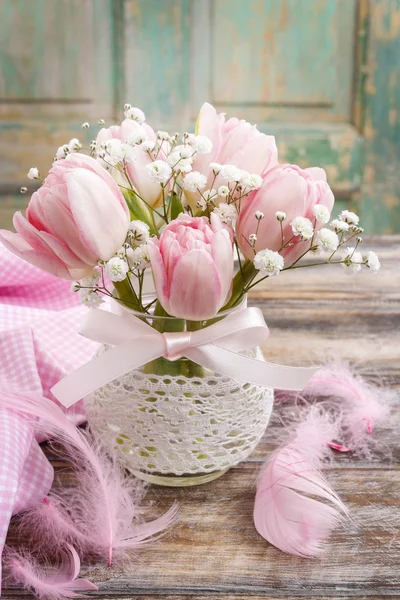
[176, 423]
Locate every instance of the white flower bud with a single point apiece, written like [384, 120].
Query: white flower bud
[223, 191]
[259, 215]
[135, 114]
[101, 122]
[74, 145]
[280, 215]
[147, 146]
[85, 125]
[373, 262]
[216, 167]
[75, 286]
[33, 173]
[163, 136]
[23, 190]
[349, 217]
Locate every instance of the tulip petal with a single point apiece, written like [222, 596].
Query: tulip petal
[159, 273]
[97, 212]
[41, 259]
[195, 289]
[222, 253]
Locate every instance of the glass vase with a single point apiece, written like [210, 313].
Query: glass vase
[176, 423]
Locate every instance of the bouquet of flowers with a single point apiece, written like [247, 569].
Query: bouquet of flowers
[178, 205]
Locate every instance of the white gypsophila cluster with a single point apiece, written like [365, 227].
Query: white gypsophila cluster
[73, 145]
[353, 260]
[223, 191]
[259, 215]
[303, 227]
[116, 152]
[227, 213]
[160, 171]
[251, 181]
[62, 151]
[89, 297]
[373, 261]
[116, 268]
[138, 136]
[148, 146]
[33, 173]
[280, 215]
[231, 173]
[321, 213]
[202, 144]
[339, 226]
[178, 163]
[139, 231]
[268, 262]
[327, 239]
[134, 113]
[215, 167]
[194, 181]
[349, 217]
[163, 136]
[138, 258]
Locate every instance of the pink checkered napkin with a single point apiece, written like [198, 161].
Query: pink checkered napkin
[39, 344]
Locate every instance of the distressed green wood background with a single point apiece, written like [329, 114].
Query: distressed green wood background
[321, 75]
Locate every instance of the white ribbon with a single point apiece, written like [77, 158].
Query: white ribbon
[215, 347]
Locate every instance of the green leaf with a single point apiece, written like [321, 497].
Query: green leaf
[139, 211]
[175, 205]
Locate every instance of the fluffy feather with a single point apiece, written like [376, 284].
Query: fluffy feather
[361, 405]
[103, 508]
[287, 512]
[50, 583]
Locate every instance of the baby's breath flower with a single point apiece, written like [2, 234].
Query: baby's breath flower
[101, 122]
[280, 215]
[202, 144]
[269, 262]
[327, 239]
[373, 262]
[321, 213]
[75, 286]
[251, 181]
[160, 171]
[223, 191]
[137, 137]
[215, 167]
[231, 173]
[227, 213]
[74, 145]
[116, 269]
[93, 145]
[184, 151]
[194, 181]
[33, 173]
[339, 226]
[303, 227]
[352, 260]
[252, 238]
[23, 190]
[163, 136]
[85, 125]
[349, 217]
[139, 231]
[89, 297]
[147, 146]
[138, 257]
[259, 215]
[62, 151]
[189, 138]
[135, 114]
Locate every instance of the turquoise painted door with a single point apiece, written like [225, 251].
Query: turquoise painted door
[319, 74]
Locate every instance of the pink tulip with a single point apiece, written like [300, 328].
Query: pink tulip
[77, 217]
[289, 189]
[192, 266]
[235, 142]
[148, 189]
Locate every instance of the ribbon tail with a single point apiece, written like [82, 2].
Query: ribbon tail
[106, 367]
[251, 370]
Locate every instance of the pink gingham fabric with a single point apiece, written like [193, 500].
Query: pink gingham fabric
[39, 344]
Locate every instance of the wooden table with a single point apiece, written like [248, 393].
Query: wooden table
[214, 551]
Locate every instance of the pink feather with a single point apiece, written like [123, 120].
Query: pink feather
[50, 583]
[103, 508]
[362, 405]
[287, 512]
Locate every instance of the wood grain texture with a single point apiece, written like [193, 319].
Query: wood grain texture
[214, 551]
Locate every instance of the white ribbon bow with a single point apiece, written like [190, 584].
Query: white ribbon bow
[215, 347]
